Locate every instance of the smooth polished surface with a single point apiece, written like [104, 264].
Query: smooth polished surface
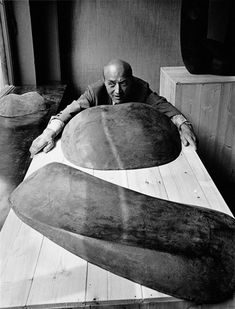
[123, 136]
[190, 250]
[37, 272]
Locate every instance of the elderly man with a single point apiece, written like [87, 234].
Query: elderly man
[118, 86]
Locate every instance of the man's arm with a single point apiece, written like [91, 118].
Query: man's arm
[46, 140]
[186, 131]
[185, 128]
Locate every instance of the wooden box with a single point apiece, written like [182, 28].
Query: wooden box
[208, 101]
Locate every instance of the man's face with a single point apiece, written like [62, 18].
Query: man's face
[117, 84]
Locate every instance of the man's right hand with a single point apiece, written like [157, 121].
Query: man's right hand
[44, 141]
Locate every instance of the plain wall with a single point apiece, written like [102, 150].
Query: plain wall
[144, 33]
[72, 40]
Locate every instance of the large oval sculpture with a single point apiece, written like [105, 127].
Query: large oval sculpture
[125, 136]
[181, 250]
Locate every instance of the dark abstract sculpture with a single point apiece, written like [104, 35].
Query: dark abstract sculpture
[181, 250]
[125, 136]
[208, 36]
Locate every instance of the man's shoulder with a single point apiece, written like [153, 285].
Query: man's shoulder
[97, 86]
[140, 90]
[98, 92]
[140, 82]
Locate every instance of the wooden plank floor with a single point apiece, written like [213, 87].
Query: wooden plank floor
[37, 273]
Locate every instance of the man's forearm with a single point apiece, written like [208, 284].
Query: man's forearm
[56, 125]
[69, 112]
[179, 119]
[58, 121]
[162, 105]
[83, 102]
[185, 128]
[186, 131]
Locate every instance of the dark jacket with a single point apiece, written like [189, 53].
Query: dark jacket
[96, 94]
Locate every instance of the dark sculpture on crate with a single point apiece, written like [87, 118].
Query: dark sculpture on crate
[208, 36]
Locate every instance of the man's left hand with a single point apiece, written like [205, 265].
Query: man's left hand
[187, 135]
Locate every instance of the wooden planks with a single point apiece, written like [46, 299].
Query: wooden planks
[213, 196]
[36, 271]
[181, 184]
[59, 277]
[180, 74]
[17, 271]
[208, 102]
[122, 289]
[20, 248]
[97, 284]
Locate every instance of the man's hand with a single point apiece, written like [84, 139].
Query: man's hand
[187, 135]
[44, 141]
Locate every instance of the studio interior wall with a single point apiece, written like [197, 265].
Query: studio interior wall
[144, 33]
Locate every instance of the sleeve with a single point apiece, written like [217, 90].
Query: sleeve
[86, 100]
[162, 105]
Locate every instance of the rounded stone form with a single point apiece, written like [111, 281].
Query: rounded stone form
[181, 250]
[125, 136]
[15, 105]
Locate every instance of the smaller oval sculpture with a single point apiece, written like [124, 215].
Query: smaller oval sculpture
[125, 136]
[15, 105]
[22, 119]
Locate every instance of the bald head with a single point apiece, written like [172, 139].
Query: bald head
[117, 66]
[118, 80]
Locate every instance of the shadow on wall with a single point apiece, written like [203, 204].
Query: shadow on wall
[65, 24]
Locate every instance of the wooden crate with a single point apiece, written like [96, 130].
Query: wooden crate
[208, 101]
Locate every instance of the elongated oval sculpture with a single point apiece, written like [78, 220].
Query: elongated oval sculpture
[124, 136]
[181, 250]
